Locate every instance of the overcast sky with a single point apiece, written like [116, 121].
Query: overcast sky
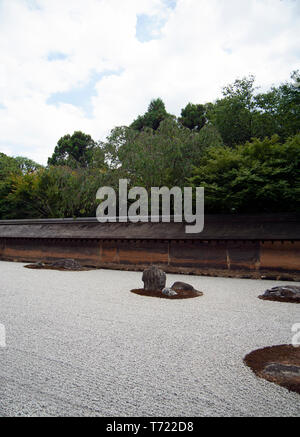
[92, 65]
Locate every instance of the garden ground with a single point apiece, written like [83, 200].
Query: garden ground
[80, 344]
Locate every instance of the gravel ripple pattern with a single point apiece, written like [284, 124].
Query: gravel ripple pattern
[80, 344]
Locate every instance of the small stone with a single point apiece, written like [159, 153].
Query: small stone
[182, 286]
[282, 370]
[169, 292]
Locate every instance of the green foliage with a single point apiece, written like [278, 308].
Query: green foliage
[8, 165]
[9, 169]
[73, 151]
[162, 157]
[55, 192]
[26, 165]
[232, 115]
[278, 110]
[261, 176]
[193, 116]
[243, 148]
[155, 114]
[242, 114]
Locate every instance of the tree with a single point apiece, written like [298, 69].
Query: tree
[55, 192]
[278, 110]
[74, 151]
[288, 106]
[193, 116]
[26, 165]
[233, 115]
[260, 176]
[265, 119]
[154, 158]
[8, 165]
[155, 114]
[10, 168]
[228, 147]
[242, 114]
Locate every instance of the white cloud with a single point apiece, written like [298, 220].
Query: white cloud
[203, 45]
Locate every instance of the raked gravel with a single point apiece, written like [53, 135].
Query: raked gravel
[80, 344]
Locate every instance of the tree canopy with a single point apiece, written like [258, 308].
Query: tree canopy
[244, 148]
[193, 116]
[155, 114]
[243, 114]
[73, 150]
[260, 176]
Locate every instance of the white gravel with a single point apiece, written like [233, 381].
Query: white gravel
[80, 344]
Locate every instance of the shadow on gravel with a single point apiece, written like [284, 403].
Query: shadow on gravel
[181, 294]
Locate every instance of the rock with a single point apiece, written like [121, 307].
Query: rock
[288, 291]
[66, 264]
[154, 279]
[39, 265]
[169, 292]
[182, 286]
[282, 370]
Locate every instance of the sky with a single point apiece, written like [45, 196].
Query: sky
[91, 65]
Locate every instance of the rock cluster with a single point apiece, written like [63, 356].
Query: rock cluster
[289, 292]
[61, 264]
[155, 281]
[66, 264]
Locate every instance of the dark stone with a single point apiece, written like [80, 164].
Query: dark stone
[66, 264]
[154, 279]
[288, 291]
[282, 370]
[182, 286]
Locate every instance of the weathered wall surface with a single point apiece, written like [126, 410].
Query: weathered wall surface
[280, 255]
[221, 258]
[31, 250]
[242, 246]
